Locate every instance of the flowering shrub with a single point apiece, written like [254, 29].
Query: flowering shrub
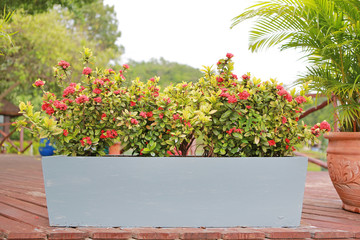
[230, 116]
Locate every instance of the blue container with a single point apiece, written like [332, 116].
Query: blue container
[45, 147]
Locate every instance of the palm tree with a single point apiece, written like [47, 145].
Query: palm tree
[328, 33]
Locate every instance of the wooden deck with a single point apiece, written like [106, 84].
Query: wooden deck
[23, 213]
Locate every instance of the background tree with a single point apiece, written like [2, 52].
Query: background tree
[169, 72]
[40, 6]
[43, 39]
[328, 33]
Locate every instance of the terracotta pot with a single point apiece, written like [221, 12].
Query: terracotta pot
[115, 149]
[343, 157]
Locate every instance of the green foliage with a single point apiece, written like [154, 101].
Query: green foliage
[230, 117]
[170, 72]
[40, 6]
[327, 31]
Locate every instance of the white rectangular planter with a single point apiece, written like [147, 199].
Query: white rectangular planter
[174, 191]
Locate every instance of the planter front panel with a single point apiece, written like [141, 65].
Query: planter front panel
[174, 192]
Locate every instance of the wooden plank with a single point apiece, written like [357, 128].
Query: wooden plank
[25, 198]
[25, 206]
[23, 216]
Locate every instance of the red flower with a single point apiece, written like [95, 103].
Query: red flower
[45, 106]
[219, 79]
[64, 64]
[117, 92]
[234, 76]
[176, 116]
[103, 116]
[294, 149]
[282, 92]
[184, 85]
[98, 99]
[152, 79]
[97, 91]
[134, 121]
[284, 120]
[325, 126]
[161, 115]
[50, 110]
[218, 63]
[288, 98]
[111, 70]
[39, 83]
[82, 99]
[86, 140]
[232, 99]
[245, 77]
[155, 94]
[279, 87]
[300, 99]
[143, 114]
[126, 66]
[188, 124]
[169, 152]
[68, 90]
[299, 110]
[287, 147]
[248, 107]
[65, 132]
[132, 103]
[244, 95]
[271, 142]
[149, 114]
[160, 108]
[229, 55]
[87, 71]
[287, 140]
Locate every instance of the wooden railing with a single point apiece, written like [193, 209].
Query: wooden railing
[313, 160]
[6, 138]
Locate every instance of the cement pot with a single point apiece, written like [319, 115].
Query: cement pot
[343, 157]
[174, 191]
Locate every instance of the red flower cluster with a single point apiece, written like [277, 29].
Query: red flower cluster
[86, 140]
[132, 104]
[238, 130]
[244, 95]
[69, 90]
[284, 93]
[39, 83]
[59, 105]
[65, 132]
[103, 116]
[245, 77]
[82, 99]
[87, 71]
[126, 66]
[232, 99]
[272, 142]
[97, 91]
[284, 120]
[98, 99]
[134, 121]
[229, 55]
[300, 99]
[64, 64]
[109, 134]
[316, 129]
[176, 116]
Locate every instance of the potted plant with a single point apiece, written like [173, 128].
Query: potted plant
[326, 33]
[230, 117]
